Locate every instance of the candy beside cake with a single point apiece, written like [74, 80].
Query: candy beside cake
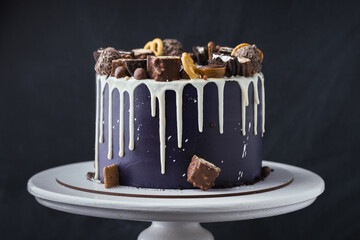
[158, 108]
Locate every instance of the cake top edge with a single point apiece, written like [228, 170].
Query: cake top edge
[165, 61]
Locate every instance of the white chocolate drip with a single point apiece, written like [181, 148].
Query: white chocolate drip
[157, 92]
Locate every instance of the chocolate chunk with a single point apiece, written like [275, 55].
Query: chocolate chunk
[140, 73]
[246, 66]
[230, 62]
[172, 47]
[126, 54]
[132, 64]
[141, 53]
[265, 171]
[163, 68]
[251, 53]
[121, 72]
[201, 55]
[111, 176]
[201, 173]
[212, 71]
[225, 50]
[90, 176]
[97, 53]
[103, 64]
[183, 74]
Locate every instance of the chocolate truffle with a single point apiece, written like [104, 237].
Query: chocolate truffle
[121, 72]
[251, 53]
[103, 64]
[172, 47]
[140, 73]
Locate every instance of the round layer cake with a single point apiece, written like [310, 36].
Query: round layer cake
[152, 129]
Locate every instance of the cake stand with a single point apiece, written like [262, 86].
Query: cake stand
[176, 214]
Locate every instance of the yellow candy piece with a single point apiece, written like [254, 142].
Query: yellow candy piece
[189, 66]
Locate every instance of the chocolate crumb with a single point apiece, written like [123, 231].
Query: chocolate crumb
[265, 171]
[90, 175]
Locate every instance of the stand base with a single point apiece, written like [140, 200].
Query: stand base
[175, 231]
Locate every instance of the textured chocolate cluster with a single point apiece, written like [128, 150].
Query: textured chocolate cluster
[165, 60]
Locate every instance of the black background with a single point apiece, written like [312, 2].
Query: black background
[47, 98]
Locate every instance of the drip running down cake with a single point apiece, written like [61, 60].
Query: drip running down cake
[171, 119]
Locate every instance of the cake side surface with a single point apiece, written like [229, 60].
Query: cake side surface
[151, 130]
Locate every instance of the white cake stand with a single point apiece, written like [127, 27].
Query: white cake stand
[176, 214]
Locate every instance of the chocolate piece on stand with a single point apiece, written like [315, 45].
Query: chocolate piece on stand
[103, 64]
[172, 47]
[246, 66]
[132, 64]
[201, 54]
[121, 72]
[140, 73]
[201, 173]
[140, 53]
[252, 53]
[212, 71]
[111, 176]
[163, 68]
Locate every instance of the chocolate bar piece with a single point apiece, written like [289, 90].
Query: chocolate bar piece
[141, 53]
[230, 62]
[201, 55]
[246, 66]
[201, 173]
[164, 68]
[111, 176]
[132, 64]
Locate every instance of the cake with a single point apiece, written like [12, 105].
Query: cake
[164, 115]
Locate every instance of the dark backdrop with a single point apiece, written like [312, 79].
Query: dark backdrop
[47, 97]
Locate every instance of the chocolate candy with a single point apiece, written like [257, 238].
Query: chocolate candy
[115, 64]
[141, 53]
[126, 54]
[246, 66]
[132, 64]
[201, 173]
[183, 74]
[252, 53]
[163, 68]
[97, 53]
[111, 176]
[140, 73]
[172, 47]
[225, 50]
[121, 72]
[201, 55]
[103, 64]
[265, 171]
[212, 71]
[230, 62]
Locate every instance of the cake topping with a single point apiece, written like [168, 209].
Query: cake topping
[132, 64]
[183, 74]
[172, 47]
[140, 73]
[103, 64]
[212, 71]
[111, 176]
[156, 46]
[97, 53]
[189, 66]
[125, 54]
[225, 50]
[164, 68]
[252, 53]
[201, 173]
[200, 54]
[121, 72]
[140, 53]
[246, 66]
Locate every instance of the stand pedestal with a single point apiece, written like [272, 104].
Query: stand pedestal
[176, 214]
